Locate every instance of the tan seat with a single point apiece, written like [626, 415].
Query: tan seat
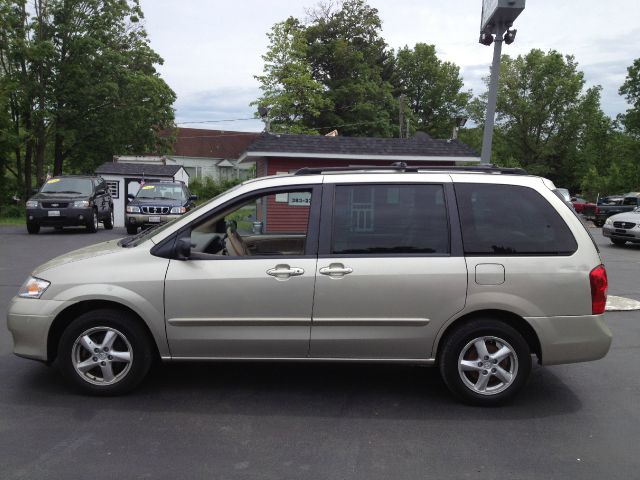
[234, 243]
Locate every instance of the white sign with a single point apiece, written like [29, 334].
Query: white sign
[300, 199]
[488, 9]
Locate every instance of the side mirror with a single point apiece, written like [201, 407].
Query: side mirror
[183, 248]
[131, 196]
[193, 197]
[35, 190]
[100, 192]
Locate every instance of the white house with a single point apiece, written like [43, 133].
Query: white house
[125, 178]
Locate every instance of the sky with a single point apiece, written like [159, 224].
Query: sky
[212, 48]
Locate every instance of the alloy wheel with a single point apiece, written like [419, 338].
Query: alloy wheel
[488, 365]
[102, 356]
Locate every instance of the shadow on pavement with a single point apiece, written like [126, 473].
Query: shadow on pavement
[287, 389]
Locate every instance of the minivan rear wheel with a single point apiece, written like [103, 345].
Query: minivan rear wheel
[485, 362]
[104, 352]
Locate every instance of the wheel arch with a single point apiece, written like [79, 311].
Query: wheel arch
[516, 321]
[66, 316]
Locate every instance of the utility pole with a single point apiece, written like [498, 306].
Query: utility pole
[401, 115]
[487, 138]
[496, 19]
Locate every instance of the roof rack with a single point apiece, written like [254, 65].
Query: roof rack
[402, 167]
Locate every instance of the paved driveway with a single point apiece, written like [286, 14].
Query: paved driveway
[284, 421]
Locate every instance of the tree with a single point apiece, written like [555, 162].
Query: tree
[631, 91]
[433, 88]
[294, 98]
[85, 83]
[350, 58]
[543, 116]
[340, 56]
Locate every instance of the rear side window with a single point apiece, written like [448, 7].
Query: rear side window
[390, 219]
[510, 220]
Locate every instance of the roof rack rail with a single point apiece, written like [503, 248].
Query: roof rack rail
[402, 167]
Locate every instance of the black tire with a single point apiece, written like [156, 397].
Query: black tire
[129, 336]
[132, 230]
[495, 335]
[92, 225]
[108, 222]
[598, 223]
[618, 242]
[33, 228]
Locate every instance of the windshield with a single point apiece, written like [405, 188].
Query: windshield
[68, 185]
[161, 192]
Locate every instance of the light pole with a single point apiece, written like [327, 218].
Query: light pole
[497, 18]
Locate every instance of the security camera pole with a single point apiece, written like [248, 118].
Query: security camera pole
[497, 18]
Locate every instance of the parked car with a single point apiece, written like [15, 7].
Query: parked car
[158, 202]
[580, 203]
[630, 201]
[71, 200]
[623, 227]
[373, 265]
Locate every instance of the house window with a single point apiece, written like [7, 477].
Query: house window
[194, 172]
[114, 188]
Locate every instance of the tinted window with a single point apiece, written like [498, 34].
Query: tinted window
[390, 219]
[510, 220]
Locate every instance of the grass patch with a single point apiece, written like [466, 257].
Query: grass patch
[12, 221]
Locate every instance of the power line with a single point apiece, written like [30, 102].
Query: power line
[219, 121]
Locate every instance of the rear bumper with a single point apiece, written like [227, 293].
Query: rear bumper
[571, 339]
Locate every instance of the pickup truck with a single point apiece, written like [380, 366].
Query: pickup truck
[602, 211]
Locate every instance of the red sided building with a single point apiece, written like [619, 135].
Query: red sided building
[277, 154]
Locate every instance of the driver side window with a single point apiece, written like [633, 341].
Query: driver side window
[275, 224]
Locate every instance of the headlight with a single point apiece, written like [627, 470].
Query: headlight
[133, 209]
[32, 204]
[81, 204]
[33, 288]
[608, 221]
[178, 210]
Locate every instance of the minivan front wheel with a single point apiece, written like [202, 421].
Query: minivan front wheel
[485, 362]
[104, 352]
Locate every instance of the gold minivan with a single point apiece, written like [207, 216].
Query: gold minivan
[471, 270]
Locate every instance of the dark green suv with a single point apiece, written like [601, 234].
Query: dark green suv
[71, 200]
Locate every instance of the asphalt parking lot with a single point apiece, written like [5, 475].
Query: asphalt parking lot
[294, 421]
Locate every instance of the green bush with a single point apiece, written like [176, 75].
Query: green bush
[12, 211]
[208, 188]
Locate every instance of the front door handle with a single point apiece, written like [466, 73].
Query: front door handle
[282, 272]
[336, 270]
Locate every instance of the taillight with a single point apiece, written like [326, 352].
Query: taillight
[597, 210]
[599, 285]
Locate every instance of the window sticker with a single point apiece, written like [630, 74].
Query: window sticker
[53, 180]
[148, 187]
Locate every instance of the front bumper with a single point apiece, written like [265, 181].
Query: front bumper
[66, 217]
[571, 339]
[144, 219]
[630, 235]
[29, 321]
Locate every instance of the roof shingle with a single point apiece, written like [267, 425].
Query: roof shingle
[422, 145]
[137, 169]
